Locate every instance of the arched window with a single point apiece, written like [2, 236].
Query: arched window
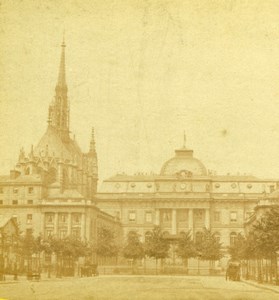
[147, 236]
[27, 171]
[51, 176]
[233, 237]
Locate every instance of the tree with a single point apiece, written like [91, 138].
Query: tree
[67, 251]
[133, 249]
[208, 247]
[157, 246]
[266, 235]
[237, 251]
[186, 248]
[29, 246]
[261, 243]
[106, 245]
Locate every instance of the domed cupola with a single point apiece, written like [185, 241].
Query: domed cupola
[183, 163]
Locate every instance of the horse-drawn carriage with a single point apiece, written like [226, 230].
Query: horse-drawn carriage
[233, 271]
[89, 270]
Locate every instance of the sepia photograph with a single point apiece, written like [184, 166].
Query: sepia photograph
[139, 150]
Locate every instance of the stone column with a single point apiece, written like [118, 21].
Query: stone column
[191, 221]
[69, 229]
[82, 226]
[207, 219]
[173, 222]
[55, 228]
[157, 217]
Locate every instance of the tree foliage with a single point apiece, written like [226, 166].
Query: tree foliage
[106, 244]
[208, 247]
[134, 248]
[67, 247]
[266, 232]
[262, 241]
[186, 247]
[157, 246]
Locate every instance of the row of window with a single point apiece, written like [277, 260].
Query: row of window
[15, 190]
[15, 202]
[63, 218]
[182, 216]
[132, 216]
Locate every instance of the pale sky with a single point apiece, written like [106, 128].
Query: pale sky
[142, 72]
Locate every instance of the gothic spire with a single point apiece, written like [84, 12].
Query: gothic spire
[92, 148]
[62, 73]
[59, 112]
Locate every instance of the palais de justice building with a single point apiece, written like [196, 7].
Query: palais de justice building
[183, 196]
[53, 189]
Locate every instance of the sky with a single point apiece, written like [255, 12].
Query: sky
[142, 72]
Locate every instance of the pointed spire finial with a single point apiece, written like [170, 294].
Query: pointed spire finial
[184, 140]
[62, 73]
[63, 42]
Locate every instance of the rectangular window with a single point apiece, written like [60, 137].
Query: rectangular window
[15, 202]
[132, 216]
[63, 218]
[165, 216]
[49, 218]
[15, 190]
[148, 217]
[1, 202]
[29, 201]
[1, 190]
[30, 190]
[272, 188]
[233, 216]
[29, 218]
[216, 216]
[76, 218]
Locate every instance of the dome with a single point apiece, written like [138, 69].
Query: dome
[183, 163]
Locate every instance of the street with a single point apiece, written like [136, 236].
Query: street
[134, 287]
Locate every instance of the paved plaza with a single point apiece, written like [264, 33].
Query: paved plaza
[135, 287]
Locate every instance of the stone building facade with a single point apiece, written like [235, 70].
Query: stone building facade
[183, 197]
